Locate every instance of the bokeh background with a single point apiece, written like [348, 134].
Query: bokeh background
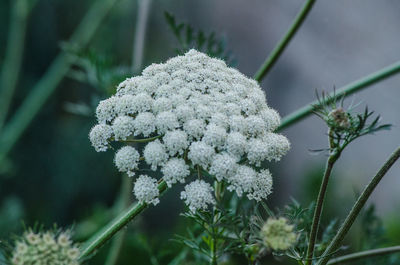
[53, 175]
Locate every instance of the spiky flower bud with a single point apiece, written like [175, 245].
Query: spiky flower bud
[340, 118]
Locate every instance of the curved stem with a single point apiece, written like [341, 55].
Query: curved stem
[280, 47]
[364, 254]
[121, 203]
[53, 76]
[362, 199]
[13, 56]
[101, 237]
[344, 91]
[320, 202]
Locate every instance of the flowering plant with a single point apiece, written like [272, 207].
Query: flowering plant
[197, 126]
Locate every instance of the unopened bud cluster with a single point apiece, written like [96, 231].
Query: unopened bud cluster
[278, 235]
[204, 117]
[45, 248]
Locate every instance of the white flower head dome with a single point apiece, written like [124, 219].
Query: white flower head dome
[196, 115]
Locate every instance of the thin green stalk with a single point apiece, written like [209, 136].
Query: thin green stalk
[362, 199]
[280, 47]
[214, 252]
[364, 254]
[121, 204]
[144, 140]
[50, 80]
[107, 232]
[218, 190]
[318, 209]
[13, 55]
[344, 91]
[320, 202]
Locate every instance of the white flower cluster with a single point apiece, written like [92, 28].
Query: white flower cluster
[198, 195]
[205, 115]
[146, 189]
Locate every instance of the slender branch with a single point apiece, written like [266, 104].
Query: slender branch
[364, 254]
[362, 199]
[13, 55]
[218, 190]
[280, 47]
[50, 80]
[140, 34]
[144, 140]
[121, 203]
[344, 91]
[320, 202]
[214, 251]
[107, 232]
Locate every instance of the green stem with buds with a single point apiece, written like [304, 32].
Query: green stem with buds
[50, 80]
[344, 91]
[280, 47]
[364, 254]
[354, 212]
[107, 232]
[320, 200]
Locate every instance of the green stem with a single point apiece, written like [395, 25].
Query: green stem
[13, 55]
[107, 232]
[320, 202]
[364, 254]
[280, 47]
[144, 140]
[344, 91]
[214, 252]
[362, 199]
[218, 190]
[121, 204]
[50, 80]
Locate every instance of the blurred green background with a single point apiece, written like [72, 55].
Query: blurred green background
[53, 175]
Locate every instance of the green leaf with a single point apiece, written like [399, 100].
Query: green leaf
[188, 38]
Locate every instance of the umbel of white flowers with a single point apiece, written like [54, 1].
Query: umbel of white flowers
[204, 117]
[45, 248]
